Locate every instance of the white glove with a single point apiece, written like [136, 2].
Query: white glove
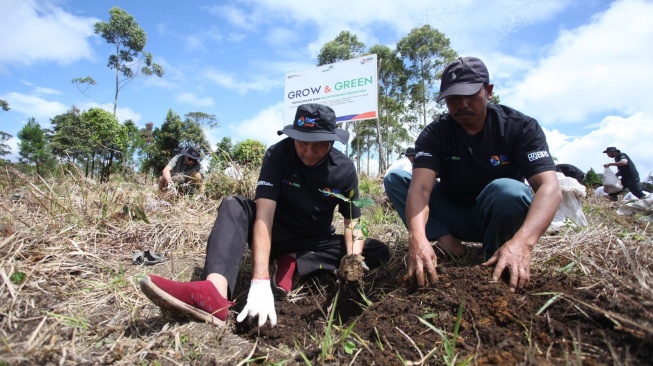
[260, 301]
[171, 186]
[364, 265]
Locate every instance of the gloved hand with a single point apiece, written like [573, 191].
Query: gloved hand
[260, 301]
[364, 265]
[171, 186]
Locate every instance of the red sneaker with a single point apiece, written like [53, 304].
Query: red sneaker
[283, 271]
[199, 300]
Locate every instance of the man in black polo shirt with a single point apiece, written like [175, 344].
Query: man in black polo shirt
[626, 170]
[289, 221]
[482, 153]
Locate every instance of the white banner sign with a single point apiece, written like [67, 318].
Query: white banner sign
[349, 87]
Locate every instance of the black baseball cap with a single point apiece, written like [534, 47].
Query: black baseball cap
[465, 76]
[410, 151]
[315, 122]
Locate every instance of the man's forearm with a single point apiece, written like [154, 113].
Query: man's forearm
[261, 245]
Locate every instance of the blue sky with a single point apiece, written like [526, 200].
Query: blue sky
[583, 69]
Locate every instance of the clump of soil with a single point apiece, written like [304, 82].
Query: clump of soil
[351, 270]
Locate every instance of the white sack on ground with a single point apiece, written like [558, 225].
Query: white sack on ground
[645, 205]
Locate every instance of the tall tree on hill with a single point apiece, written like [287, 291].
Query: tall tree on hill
[427, 51]
[71, 137]
[344, 47]
[4, 137]
[108, 138]
[393, 77]
[195, 126]
[148, 151]
[128, 59]
[33, 147]
[135, 143]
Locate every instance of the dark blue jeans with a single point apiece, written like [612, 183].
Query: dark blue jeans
[499, 212]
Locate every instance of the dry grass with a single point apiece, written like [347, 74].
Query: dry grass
[78, 300]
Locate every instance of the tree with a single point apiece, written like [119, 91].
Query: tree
[193, 130]
[4, 137]
[592, 178]
[249, 153]
[4, 148]
[108, 138]
[33, 147]
[344, 47]
[129, 60]
[135, 143]
[427, 51]
[148, 151]
[224, 147]
[224, 153]
[204, 120]
[393, 77]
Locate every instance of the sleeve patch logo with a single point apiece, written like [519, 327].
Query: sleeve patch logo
[538, 155]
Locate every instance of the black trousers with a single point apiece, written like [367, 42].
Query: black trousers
[634, 186]
[232, 233]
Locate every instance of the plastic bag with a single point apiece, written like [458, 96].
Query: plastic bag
[570, 207]
[611, 183]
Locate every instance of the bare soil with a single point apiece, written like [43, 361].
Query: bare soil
[590, 301]
[497, 327]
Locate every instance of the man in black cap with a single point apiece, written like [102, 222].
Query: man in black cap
[289, 221]
[482, 153]
[183, 169]
[404, 163]
[626, 170]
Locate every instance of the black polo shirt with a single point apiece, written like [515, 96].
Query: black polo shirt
[512, 145]
[302, 209]
[628, 171]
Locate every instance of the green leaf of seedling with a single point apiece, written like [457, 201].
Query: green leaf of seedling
[351, 193]
[17, 277]
[335, 194]
[350, 347]
[363, 202]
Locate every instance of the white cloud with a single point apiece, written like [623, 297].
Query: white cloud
[229, 81]
[602, 67]
[34, 106]
[32, 31]
[631, 135]
[262, 127]
[192, 99]
[46, 91]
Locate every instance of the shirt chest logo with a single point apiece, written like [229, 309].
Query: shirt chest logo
[498, 160]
